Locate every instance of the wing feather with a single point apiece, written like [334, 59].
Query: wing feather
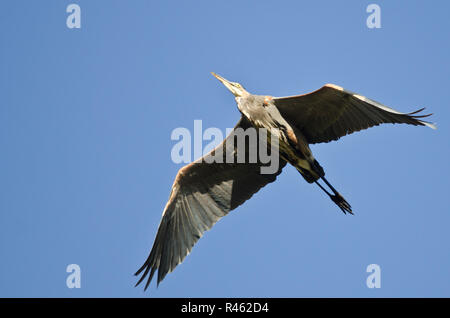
[201, 194]
[332, 112]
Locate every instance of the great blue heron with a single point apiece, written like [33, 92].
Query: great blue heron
[203, 192]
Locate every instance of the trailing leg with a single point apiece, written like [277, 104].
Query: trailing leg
[336, 197]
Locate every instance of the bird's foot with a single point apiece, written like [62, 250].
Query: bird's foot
[341, 203]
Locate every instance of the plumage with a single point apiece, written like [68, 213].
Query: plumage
[332, 112]
[201, 194]
[205, 190]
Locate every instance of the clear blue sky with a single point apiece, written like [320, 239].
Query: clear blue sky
[85, 169]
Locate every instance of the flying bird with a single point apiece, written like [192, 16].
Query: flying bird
[205, 190]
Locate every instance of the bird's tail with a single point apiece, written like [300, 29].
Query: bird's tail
[318, 169]
[314, 174]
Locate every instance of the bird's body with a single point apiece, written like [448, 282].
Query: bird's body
[261, 112]
[206, 190]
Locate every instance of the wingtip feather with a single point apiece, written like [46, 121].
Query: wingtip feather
[431, 125]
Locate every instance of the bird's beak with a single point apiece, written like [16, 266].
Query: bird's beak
[227, 84]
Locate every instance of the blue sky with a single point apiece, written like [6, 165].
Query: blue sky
[85, 169]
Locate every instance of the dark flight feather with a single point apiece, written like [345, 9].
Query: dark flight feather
[332, 112]
[201, 194]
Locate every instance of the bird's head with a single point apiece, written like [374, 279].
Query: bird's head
[237, 89]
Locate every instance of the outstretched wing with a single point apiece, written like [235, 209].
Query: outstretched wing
[332, 112]
[201, 194]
